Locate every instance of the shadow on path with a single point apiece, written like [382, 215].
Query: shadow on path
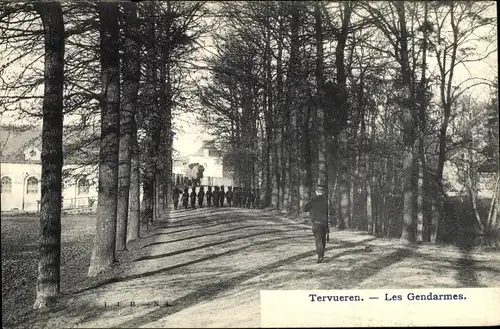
[201, 235]
[359, 273]
[362, 272]
[146, 274]
[466, 272]
[198, 221]
[210, 291]
[182, 230]
[208, 245]
[193, 214]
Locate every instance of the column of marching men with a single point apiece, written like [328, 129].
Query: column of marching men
[216, 197]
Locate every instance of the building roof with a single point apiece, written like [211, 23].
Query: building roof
[79, 147]
[14, 140]
[181, 160]
[210, 146]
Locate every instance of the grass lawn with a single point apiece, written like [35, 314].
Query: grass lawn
[20, 258]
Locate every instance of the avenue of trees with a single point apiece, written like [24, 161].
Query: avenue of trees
[119, 71]
[360, 96]
[367, 97]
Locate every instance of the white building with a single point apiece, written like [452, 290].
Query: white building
[211, 159]
[20, 171]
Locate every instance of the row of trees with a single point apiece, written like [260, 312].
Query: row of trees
[119, 70]
[361, 96]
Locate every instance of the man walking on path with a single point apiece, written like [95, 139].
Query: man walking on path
[318, 209]
[257, 199]
[201, 196]
[215, 196]
[193, 198]
[209, 196]
[175, 196]
[185, 198]
[249, 198]
[236, 196]
[229, 196]
[243, 197]
[222, 196]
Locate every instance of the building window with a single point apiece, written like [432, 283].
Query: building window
[6, 185]
[83, 186]
[32, 186]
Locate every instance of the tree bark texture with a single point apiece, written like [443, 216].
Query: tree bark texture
[49, 244]
[103, 254]
[134, 216]
[408, 233]
[131, 73]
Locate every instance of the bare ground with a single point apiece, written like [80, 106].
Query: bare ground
[205, 268]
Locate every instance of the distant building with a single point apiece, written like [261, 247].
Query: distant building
[210, 158]
[454, 176]
[20, 171]
[484, 156]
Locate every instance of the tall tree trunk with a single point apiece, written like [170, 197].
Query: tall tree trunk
[103, 254]
[158, 206]
[278, 165]
[168, 135]
[283, 159]
[371, 183]
[309, 145]
[320, 88]
[236, 162]
[364, 147]
[134, 216]
[353, 192]
[267, 175]
[293, 108]
[353, 171]
[168, 151]
[446, 92]
[49, 243]
[344, 185]
[285, 174]
[163, 128]
[369, 207]
[269, 154]
[127, 113]
[152, 122]
[276, 194]
[408, 233]
[421, 135]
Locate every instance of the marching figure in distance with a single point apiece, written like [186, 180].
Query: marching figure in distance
[236, 196]
[201, 196]
[175, 196]
[209, 196]
[215, 196]
[243, 197]
[249, 198]
[185, 198]
[229, 196]
[193, 198]
[222, 196]
[257, 198]
[318, 209]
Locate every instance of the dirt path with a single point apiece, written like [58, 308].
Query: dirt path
[205, 268]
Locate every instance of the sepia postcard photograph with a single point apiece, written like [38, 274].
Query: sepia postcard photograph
[248, 164]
